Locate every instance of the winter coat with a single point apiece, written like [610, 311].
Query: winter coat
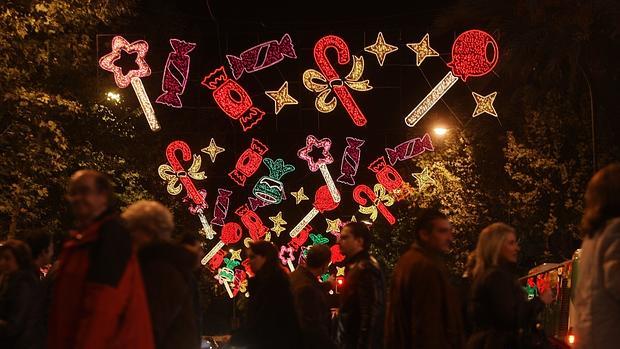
[98, 294]
[503, 318]
[423, 310]
[271, 321]
[362, 304]
[597, 298]
[21, 308]
[167, 273]
[312, 309]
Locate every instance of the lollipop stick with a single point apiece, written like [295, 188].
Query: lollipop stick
[304, 221]
[145, 103]
[212, 253]
[227, 286]
[330, 183]
[206, 227]
[431, 98]
[290, 265]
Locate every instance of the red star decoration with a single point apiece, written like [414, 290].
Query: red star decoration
[312, 142]
[119, 43]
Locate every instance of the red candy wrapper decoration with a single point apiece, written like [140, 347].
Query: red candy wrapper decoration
[256, 203]
[248, 162]
[221, 206]
[350, 161]
[300, 239]
[233, 99]
[386, 174]
[186, 154]
[252, 222]
[217, 260]
[334, 80]
[337, 255]
[272, 51]
[175, 73]
[409, 149]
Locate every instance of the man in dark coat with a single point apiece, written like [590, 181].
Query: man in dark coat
[310, 299]
[362, 304]
[167, 272]
[98, 295]
[423, 310]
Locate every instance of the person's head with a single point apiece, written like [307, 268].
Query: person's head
[191, 242]
[602, 199]
[497, 244]
[14, 255]
[318, 259]
[434, 231]
[262, 254]
[148, 220]
[354, 238]
[90, 193]
[41, 246]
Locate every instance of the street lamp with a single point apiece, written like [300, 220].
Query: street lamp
[440, 131]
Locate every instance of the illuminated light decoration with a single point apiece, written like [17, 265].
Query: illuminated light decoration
[269, 188]
[206, 229]
[140, 48]
[340, 271]
[252, 222]
[281, 97]
[410, 149]
[175, 73]
[469, 58]
[299, 196]
[241, 281]
[353, 219]
[233, 99]
[484, 104]
[298, 241]
[272, 51]
[318, 239]
[175, 172]
[249, 162]
[221, 206]
[324, 278]
[278, 223]
[226, 276]
[246, 266]
[379, 199]
[350, 161]
[323, 202]
[231, 234]
[217, 260]
[337, 255]
[256, 203]
[213, 150]
[386, 174]
[423, 178]
[422, 50]
[328, 78]
[380, 48]
[333, 226]
[303, 254]
[321, 162]
[235, 255]
[287, 257]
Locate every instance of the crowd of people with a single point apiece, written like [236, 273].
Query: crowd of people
[121, 281]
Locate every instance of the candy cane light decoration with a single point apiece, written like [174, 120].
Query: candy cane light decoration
[132, 77]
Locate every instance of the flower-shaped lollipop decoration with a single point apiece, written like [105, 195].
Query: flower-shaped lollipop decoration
[321, 162]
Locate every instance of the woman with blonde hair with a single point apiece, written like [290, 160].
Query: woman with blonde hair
[597, 296]
[501, 315]
[167, 271]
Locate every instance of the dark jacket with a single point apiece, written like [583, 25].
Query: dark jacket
[271, 322]
[98, 294]
[423, 310]
[502, 316]
[167, 273]
[362, 304]
[21, 307]
[312, 309]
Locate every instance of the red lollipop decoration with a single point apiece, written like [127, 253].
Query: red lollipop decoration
[231, 234]
[323, 202]
[469, 58]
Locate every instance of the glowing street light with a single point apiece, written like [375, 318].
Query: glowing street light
[113, 96]
[440, 131]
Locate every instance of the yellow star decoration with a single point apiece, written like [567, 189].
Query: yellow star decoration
[484, 104]
[339, 271]
[422, 50]
[281, 97]
[212, 150]
[299, 196]
[423, 178]
[235, 254]
[333, 226]
[353, 219]
[380, 48]
[278, 222]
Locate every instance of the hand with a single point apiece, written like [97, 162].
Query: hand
[546, 296]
